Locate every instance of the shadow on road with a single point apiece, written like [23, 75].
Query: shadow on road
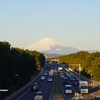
[93, 89]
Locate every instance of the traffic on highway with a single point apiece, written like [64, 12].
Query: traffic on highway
[71, 86]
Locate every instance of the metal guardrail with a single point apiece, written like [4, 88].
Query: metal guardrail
[91, 82]
[17, 93]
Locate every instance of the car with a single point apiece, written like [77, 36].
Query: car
[77, 98]
[65, 78]
[39, 96]
[61, 76]
[72, 78]
[68, 89]
[97, 97]
[65, 82]
[42, 77]
[45, 73]
[34, 87]
[75, 82]
[50, 79]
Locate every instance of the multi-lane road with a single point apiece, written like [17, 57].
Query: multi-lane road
[47, 87]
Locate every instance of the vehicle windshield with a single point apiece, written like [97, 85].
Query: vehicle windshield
[35, 84]
[84, 87]
[76, 81]
[68, 87]
[39, 93]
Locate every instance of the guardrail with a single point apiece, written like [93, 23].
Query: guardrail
[81, 76]
[17, 93]
[91, 82]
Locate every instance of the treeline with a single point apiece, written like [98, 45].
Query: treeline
[17, 66]
[90, 62]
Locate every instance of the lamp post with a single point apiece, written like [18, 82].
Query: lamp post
[99, 83]
[16, 75]
[91, 80]
[80, 69]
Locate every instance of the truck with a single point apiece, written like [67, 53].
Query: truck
[39, 96]
[51, 73]
[83, 86]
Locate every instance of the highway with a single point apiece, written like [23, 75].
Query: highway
[44, 86]
[92, 91]
[47, 88]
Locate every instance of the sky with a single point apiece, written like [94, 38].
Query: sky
[75, 23]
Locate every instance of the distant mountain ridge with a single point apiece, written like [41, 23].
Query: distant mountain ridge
[51, 46]
[44, 44]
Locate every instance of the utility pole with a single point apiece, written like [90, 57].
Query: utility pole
[80, 69]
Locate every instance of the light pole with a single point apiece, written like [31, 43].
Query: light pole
[99, 83]
[80, 69]
[91, 80]
[16, 75]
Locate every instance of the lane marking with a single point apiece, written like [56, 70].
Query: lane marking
[92, 94]
[25, 92]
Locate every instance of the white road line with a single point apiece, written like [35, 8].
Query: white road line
[92, 94]
[52, 89]
[25, 92]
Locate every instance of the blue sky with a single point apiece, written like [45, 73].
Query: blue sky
[75, 23]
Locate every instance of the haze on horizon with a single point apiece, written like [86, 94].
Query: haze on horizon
[72, 22]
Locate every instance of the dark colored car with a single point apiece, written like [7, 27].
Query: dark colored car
[34, 87]
[65, 82]
[75, 82]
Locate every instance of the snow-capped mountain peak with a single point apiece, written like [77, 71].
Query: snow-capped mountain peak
[51, 46]
[44, 44]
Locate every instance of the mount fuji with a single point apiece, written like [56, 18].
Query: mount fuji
[51, 46]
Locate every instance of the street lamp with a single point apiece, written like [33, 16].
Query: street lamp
[91, 79]
[80, 69]
[16, 75]
[99, 83]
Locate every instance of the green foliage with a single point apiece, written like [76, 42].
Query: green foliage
[90, 62]
[17, 66]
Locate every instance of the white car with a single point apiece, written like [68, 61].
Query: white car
[50, 79]
[39, 96]
[68, 89]
[77, 98]
[61, 76]
[34, 87]
[42, 77]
